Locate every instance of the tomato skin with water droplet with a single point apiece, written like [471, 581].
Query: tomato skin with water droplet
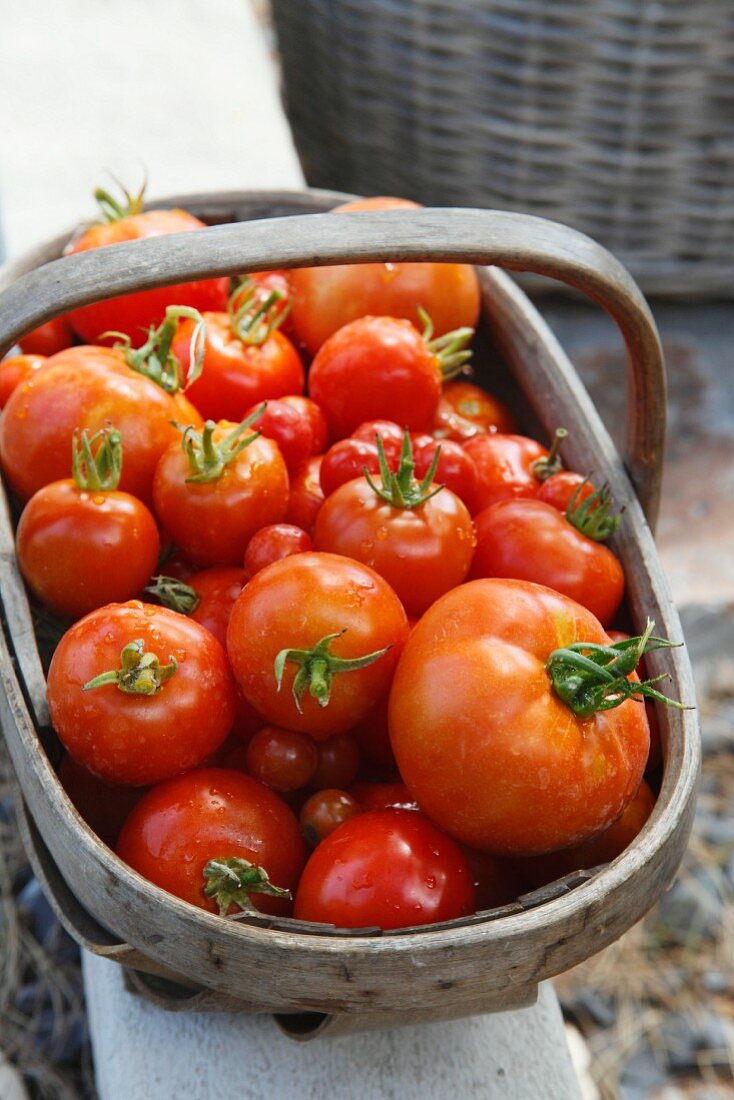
[207, 814]
[139, 739]
[389, 868]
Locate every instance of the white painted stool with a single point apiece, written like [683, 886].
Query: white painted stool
[142, 1052]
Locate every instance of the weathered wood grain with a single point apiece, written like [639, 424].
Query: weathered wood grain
[465, 967]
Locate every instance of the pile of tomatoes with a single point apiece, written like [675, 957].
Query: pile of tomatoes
[338, 636]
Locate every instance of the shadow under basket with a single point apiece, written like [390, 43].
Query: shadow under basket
[316, 979]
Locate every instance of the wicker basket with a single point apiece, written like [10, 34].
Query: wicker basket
[614, 116]
[320, 979]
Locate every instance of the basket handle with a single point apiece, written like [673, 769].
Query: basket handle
[518, 242]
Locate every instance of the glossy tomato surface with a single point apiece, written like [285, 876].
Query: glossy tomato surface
[504, 466]
[484, 744]
[217, 590]
[212, 522]
[326, 298]
[235, 375]
[294, 604]
[79, 549]
[466, 410]
[135, 313]
[138, 739]
[532, 541]
[15, 370]
[422, 552]
[86, 388]
[212, 813]
[389, 868]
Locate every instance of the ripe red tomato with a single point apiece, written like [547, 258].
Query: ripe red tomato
[315, 602]
[237, 375]
[212, 814]
[212, 497]
[326, 298]
[306, 496]
[421, 550]
[15, 370]
[135, 313]
[324, 812]
[173, 704]
[282, 759]
[81, 543]
[377, 367]
[466, 410]
[532, 541]
[338, 762]
[388, 868]
[561, 488]
[207, 596]
[49, 338]
[383, 796]
[287, 426]
[505, 466]
[86, 388]
[483, 741]
[272, 543]
[315, 417]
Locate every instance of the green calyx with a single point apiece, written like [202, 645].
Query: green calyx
[543, 468]
[318, 667]
[96, 471]
[207, 459]
[589, 678]
[593, 516]
[155, 358]
[255, 318]
[450, 349]
[401, 489]
[140, 673]
[174, 594]
[230, 880]
[114, 210]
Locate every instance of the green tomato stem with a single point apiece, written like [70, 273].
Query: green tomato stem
[401, 489]
[208, 459]
[593, 516]
[254, 321]
[318, 667]
[174, 594]
[589, 677]
[230, 880]
[97, 471]
[155, 358]
[543, 468]
[140, 672]
[450, 349]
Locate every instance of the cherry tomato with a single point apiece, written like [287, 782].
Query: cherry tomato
[306, 495]
[86, 388]
[15, 370]
[272, 543]
[456, 469]
[324, 812]
[79, 549]
[465, 410]
[135, 313]
[321, 602]
[347, 460]
[338, 762]
[212, 497]
[390, 434]
[173, 702]
[421, 551]
[216, 591]
[480, 734]
[49, 338]
[212, 814]
[561, 488]
[237, 375]
[376, 367]
[504, 466]
[282, 759]
[533, 541]
[265, 282]
[326, 298]
[315, 417]
[388, 868]
[287, 426]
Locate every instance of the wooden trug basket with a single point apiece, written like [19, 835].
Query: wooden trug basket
[315, 978]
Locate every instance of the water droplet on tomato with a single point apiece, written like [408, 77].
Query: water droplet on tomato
[99, 499]
[150, 611]
[382, 533]
[366, 546]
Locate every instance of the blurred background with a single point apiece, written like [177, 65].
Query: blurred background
[614, 116]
